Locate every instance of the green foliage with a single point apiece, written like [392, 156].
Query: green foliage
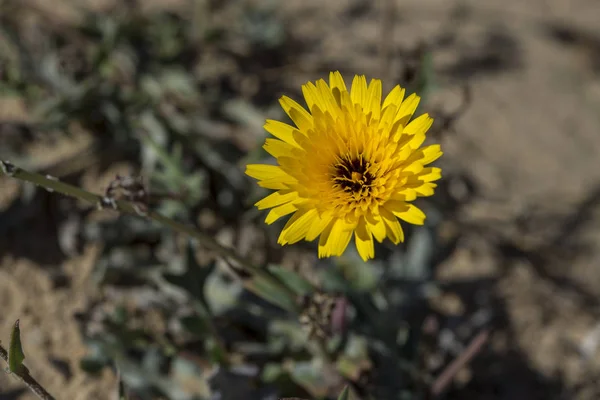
[170, 320]
[344, 395]
[15, 350]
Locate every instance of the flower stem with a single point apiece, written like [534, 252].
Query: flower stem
[23, 375]
[54, 185]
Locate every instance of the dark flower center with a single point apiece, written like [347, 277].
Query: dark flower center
[352, 175]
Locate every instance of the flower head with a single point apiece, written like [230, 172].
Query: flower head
[350, 167]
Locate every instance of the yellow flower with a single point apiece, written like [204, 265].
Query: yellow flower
[351, 165]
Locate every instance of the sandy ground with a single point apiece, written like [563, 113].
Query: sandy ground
[52, 339]
[529, 139]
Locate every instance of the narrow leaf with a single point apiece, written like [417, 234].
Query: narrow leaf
[271, 292]
[344, 395]
[122, 391]
[15, 350]
[292, 279]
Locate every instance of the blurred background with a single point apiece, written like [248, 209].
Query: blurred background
[496, 297]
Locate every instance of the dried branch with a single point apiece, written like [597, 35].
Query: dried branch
[463, 359]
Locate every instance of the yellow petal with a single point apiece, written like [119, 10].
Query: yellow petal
[277, 148]
[393, 229]
[324, 239]
[387, 118]
[394, 97]
[410, 214]
[358, 90]
[281, 131]
[426, 189]
[279, 212]
[297, 227]
[264, 171]
[413, 168]
[269, 176]
[276, 199]
[336, 82]
[395, 206]
[318, 225]
[420, 124]
[376, 226]
[373, 99]
[335, 238]
[430, 174]
[311, 95]
[408, 108]
[329, 103]
[297, 113]
[417, 128]
[431, 153]
[364, 240]
[404, 196]
[419, 187]
[346, 104]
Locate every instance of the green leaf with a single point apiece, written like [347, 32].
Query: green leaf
[344, 395]
[15, 350]
[267, 289]
[122, 390]
[292, 280]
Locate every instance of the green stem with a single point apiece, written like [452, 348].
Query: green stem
[54, 185]
[23, 375]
